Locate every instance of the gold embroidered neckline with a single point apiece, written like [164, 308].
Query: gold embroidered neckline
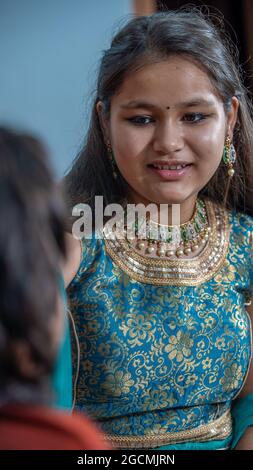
[182, 272]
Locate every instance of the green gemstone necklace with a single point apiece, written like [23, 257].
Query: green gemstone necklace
[173, 240]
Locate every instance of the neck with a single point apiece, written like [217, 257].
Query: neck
[177, 213]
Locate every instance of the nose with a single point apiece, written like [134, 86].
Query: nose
[168, 138]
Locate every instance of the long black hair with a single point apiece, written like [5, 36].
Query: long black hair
[191, 34]
[32, 224]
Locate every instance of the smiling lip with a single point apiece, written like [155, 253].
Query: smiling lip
[161, 169]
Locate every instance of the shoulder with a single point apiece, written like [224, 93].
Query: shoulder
[80, 255]
[242, 226]
[40, 427]
[73, 258]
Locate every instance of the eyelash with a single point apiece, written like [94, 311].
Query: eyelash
[140, 120]
[201, 116]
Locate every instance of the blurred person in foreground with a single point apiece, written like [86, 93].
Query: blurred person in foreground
[32, 321]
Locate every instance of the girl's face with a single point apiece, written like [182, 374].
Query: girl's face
[168, 114]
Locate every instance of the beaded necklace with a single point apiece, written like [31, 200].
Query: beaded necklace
[172, 240]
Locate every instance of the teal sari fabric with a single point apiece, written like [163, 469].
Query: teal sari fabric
[162, 355]
[62, 377]
[211, 445]
[242, 414]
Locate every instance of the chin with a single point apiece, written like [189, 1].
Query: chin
[171, 199]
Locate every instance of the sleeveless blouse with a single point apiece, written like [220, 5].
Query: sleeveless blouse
[165, 345]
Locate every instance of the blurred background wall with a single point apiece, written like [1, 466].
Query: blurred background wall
[49, 50]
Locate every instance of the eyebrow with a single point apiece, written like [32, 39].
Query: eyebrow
[196, 102]
[184, 104]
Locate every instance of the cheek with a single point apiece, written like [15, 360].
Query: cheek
[128, 142]
[126, 150]
[209, 147]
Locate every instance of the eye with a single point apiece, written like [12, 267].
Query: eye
[141, 120]
[194, 117]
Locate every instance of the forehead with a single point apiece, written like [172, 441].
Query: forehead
[168, 82]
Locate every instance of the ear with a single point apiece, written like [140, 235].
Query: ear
[104, 124]
[232, 116]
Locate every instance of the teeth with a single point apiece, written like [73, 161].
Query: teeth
[167, 167]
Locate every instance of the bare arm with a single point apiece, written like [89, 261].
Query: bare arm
[72, 262]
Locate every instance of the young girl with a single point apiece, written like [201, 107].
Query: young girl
[32, 246]
[163, 324]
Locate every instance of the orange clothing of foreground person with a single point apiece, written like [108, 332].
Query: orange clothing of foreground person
[24, 427]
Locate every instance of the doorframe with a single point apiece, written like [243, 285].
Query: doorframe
[144, 7]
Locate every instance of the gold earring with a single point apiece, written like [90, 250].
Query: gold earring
[112, 159]
[229, 156]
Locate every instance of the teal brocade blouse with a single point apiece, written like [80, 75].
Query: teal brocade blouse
[164, 347]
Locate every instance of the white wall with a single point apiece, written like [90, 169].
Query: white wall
[49, 51]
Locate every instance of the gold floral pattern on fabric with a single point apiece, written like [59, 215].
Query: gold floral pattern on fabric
[158, 359]
[177, 272]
